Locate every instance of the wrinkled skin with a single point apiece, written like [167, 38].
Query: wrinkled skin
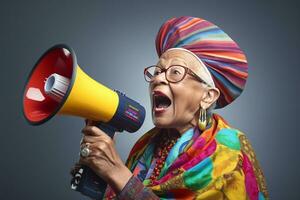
[104, 159]
[186, 98]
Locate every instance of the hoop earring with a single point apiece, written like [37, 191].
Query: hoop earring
[202, 119]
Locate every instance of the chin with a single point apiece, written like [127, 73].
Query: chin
[161, 125]
[161, 122]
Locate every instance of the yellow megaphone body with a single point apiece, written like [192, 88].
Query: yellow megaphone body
[57, 85]
[89, 94]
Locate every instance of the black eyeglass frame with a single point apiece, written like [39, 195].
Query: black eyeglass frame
[186, 71]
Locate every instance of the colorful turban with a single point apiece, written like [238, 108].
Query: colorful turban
[223, 58]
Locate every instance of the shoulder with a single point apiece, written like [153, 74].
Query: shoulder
[234, 140]
[228, 136]
[234, 146]
[227, 156]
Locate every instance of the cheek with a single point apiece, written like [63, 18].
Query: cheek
[186, 101]
[185, 109]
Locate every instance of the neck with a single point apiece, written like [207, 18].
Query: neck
[191, 124]
[186, 127]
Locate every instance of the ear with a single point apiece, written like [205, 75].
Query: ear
[209, 97]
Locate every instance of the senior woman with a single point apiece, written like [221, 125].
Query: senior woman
[191, 153]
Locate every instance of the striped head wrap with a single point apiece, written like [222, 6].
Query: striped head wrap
[222, 57]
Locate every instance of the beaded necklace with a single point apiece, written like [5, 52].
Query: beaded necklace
[165, 142]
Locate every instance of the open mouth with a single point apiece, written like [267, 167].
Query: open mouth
[160, 102]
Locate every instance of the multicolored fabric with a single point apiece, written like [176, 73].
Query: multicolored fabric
[218, 163]
[135, 190]
[221, 55]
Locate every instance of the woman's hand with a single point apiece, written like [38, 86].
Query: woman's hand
[103, 159]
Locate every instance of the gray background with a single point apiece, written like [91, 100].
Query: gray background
[114, 41]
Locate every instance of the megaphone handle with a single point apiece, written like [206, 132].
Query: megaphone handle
[88, 183]
[85, 180]
[109, 130]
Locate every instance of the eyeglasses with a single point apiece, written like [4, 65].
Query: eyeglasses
[173, 74]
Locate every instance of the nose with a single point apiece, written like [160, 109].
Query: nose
[160, 79]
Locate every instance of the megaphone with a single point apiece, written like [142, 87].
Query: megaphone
[57, 85]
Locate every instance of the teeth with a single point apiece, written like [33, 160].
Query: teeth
[162, 106]
[161, 102]
[159, 109]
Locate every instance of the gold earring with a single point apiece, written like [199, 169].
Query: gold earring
[202, 119]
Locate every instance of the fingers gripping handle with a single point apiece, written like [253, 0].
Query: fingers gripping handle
[85, 180]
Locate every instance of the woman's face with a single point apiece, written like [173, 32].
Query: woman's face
[175, 105]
